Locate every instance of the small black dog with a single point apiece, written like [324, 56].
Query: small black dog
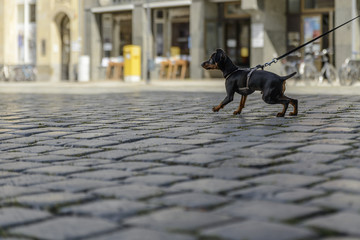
[271, 85]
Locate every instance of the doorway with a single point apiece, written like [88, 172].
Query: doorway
[237, 41]
[65, 47]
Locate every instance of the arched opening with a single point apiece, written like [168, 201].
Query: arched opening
[65, 47]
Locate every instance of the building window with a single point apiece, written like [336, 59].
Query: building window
[294, 6]
[171, 29]
[318, 4]
[116, 33]
[33, 13]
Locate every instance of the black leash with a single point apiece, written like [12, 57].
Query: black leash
[303, 45]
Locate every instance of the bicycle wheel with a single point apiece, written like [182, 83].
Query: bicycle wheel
[310, 75]
[346, 78]
[331, 74]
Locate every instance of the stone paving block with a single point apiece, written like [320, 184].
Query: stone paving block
[184, 220]
[348, 173]
[156, 179]
[21, 165]
[196, 159]
[342, 222]
[106, 174]
[265, 210]
[143, 234]
[11, 216]
[181, 170]
[337, 200]
[341, 185]
[92, 143]
[130, 166]
[51, 199]
[252, 162]
[209, 185]
[324, 148]
[191, 200]
[48, 158]
[276, 145]
[311, 157]
[75, 185]
[39, 149]
[87, 135]
[58, 170]
[348, 162]
[257, 192]
[113, 154]
[287, 180]
[257, 230]
[65, 228]
[113, 210]
[258, 152]
[5, 174]
[76, 151]
[129, 191]
[297, 194]
[307, 168]
[172, 148]
[341, 238]
[233, 172]
[150, 157]
[29, 179]
[13, 191]
[86, 162]
[337, 130]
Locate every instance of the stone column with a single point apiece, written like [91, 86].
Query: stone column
[197, 24]
[343, 36]
[272, 14]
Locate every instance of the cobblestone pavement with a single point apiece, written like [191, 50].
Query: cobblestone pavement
[162, 166]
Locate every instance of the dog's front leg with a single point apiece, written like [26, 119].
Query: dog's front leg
[241, 105]
[227, 99]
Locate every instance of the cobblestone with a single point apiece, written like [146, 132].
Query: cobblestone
[162, 166]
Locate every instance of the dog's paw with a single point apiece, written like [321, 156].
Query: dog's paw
[293, 114]
[215, 109]
[236, 112]
[280, 115]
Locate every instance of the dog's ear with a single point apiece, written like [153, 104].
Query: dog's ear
[220, 55]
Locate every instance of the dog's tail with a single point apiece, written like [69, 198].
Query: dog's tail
[288, 76]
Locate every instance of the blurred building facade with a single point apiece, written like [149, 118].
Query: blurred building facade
[54, 34]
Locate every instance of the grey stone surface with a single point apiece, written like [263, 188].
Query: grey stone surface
[15, 216]
[161, 166]
[263, 210]
[144, 234]
[257, 230]
[184, 220]
[192, 200]
[342, 222]
[129, 191]
[209, 185]
[50, 199]
[109, 209]
[65, 228]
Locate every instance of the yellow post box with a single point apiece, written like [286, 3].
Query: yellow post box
[132, 63]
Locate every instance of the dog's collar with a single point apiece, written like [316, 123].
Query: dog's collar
[228, 75]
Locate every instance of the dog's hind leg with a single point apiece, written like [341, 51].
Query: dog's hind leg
[294, 103]
[271, 99]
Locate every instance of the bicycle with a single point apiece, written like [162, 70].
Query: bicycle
[349, 71]
[328, 71]
[4, 73]
[307, 70]
[290, 64]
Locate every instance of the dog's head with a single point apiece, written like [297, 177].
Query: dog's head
[216, 59]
